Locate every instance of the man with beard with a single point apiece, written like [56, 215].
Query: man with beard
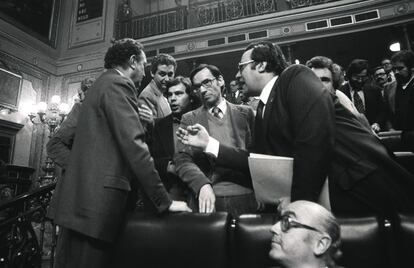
[216, 188]
[163, 68]
[387, 92]
[403, 64]
[366, 98]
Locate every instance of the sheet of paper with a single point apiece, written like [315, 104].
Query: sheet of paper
[272, 179]
[271, 176]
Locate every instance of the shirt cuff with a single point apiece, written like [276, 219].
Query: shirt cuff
[212, 147]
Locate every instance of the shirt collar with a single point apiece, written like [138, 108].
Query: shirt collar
[264, 96]
[222, 105]
[120, 73]
[409, 81]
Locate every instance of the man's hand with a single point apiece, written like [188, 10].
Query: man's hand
[178, 206]
[195, 135]
[145, 114]
[206, 199]
[376, 127]
[171, 168]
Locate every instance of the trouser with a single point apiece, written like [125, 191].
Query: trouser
[76, 250]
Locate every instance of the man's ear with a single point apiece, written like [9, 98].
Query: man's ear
[261, 67]
[322, 245]
[220, 80]
[131, 61]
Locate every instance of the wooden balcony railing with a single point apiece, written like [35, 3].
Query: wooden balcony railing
[201, 13]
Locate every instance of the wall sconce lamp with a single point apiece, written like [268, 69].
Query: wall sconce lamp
[395, 47]
[52, 115]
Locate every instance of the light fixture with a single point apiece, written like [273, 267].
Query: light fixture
[52, 116]
[395, 47]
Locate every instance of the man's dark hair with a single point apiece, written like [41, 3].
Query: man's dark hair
[377, 68]
[356, 66]
[270, 53]
[194, 97]
[321, 62]
[213, 70]
[121, 51]
[162, 59]
[404, 56]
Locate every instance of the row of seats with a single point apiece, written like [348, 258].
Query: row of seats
[216, 240]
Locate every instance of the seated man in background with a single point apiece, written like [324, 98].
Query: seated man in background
[216, 188]
[59, 146]
[162, 139]
[306, 235]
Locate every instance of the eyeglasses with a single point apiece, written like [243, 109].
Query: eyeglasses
[243, 64]
[286, 223]
[359, 77]
[208, 82]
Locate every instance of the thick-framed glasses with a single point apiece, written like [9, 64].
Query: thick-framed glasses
[286, 223]
[361, 78]
[380, 74]
[208, 82]
[243, 64]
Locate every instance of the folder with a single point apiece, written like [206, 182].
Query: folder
[272, 179]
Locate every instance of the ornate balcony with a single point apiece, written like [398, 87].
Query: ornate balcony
[201, 13]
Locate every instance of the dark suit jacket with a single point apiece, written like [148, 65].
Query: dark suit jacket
[195, 167]
[161, 144]
[304, 121]
[109, 162]
[375, 109]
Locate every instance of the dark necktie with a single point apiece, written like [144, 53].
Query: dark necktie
[217, 112]
[258, 129]
[359, 105]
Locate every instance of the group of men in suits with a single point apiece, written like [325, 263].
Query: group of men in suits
[300, 118]
[109, 165]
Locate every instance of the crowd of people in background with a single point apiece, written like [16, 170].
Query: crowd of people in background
[182, 145]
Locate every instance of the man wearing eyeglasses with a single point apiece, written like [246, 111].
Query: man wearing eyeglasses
[306, 235]
[403, 65]
[298, 117]
[216, 188]
[387, 91]
[366, 98]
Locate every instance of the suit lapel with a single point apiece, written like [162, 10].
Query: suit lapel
[269, 108]
[202, 119]
[237, 122]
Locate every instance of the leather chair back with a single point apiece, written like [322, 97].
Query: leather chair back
[174, 240]
[365, 243]
[405, 240]
[251, 241]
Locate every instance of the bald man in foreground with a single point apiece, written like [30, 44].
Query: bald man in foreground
[306, 235]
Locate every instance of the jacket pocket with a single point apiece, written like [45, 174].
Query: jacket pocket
[120, 183]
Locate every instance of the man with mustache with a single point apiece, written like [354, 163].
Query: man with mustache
[403, 64]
